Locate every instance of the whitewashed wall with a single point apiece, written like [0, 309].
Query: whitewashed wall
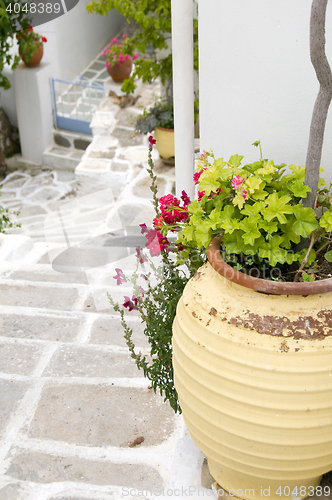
[257, 80]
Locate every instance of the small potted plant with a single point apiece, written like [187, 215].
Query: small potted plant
[160, 118]
[118, 62]
[31, 48]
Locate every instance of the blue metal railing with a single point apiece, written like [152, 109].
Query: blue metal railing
[74, 103]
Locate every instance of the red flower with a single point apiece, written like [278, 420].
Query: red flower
[152, 141]
[30, 28]
[44, 39]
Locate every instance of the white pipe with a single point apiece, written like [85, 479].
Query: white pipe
[183, 93]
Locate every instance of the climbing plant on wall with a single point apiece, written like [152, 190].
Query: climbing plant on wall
[12, 20]
[152, 35]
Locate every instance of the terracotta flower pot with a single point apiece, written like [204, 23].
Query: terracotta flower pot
[165, 144]
[121, 70]
[36, 56]
[253, 371]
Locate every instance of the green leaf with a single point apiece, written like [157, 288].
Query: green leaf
[297, 172]
[289, 234]
[306, 222]
[299, 189]
[203, 235]
[238, 201]
[299, 256]
[326, 221]
[269, 227]
[235, 160]
[254, 184]
[277, 207]
[232, 242]
[306, 277]
[328, 256]
[253, 210]
[271, 250]
[251, 232]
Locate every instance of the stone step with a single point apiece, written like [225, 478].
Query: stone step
[60, 158]
[73, 140]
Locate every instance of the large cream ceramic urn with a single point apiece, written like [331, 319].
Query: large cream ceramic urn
[253, 371]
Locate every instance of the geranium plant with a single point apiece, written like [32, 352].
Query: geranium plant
[29, 42]
[119, 51]
[258, 210]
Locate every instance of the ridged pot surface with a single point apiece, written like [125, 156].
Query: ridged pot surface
[165, 144]
[259, 405]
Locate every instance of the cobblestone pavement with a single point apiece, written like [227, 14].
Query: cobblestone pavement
[77, 419]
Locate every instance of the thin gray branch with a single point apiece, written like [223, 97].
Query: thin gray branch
[324, 75]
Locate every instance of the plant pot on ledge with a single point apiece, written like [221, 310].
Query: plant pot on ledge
[165, 144]
[120, 70]
[36, 56]
[253, 370]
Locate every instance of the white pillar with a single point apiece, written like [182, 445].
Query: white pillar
[34, 109]
[183, 91]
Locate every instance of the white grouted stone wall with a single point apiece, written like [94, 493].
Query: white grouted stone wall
[257, 80]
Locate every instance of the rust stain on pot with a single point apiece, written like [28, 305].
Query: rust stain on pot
[304, 327]
[197, 275]
[213, 311]
[283, 347]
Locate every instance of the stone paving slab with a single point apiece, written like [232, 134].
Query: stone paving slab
[45, 468]
[19, 358]
[89, 415]
[51, 326]
[107, 331]
[48, 297]
[89, 362]
[11, 393]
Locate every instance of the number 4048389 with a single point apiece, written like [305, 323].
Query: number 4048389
[33, 8]
[303, 491]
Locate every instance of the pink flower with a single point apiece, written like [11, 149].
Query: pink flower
[130, 304]
[114, 40]
[104, 53]
[185, 198]
[107, 64]
[119, 277]
[152, 141]
[156, 242]
[200, 195]
[237, 181]
[140, 256]
[198, 174]
[125, 35]
[135, 56]
[244, 194]
[126, 57]
[144, 228]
